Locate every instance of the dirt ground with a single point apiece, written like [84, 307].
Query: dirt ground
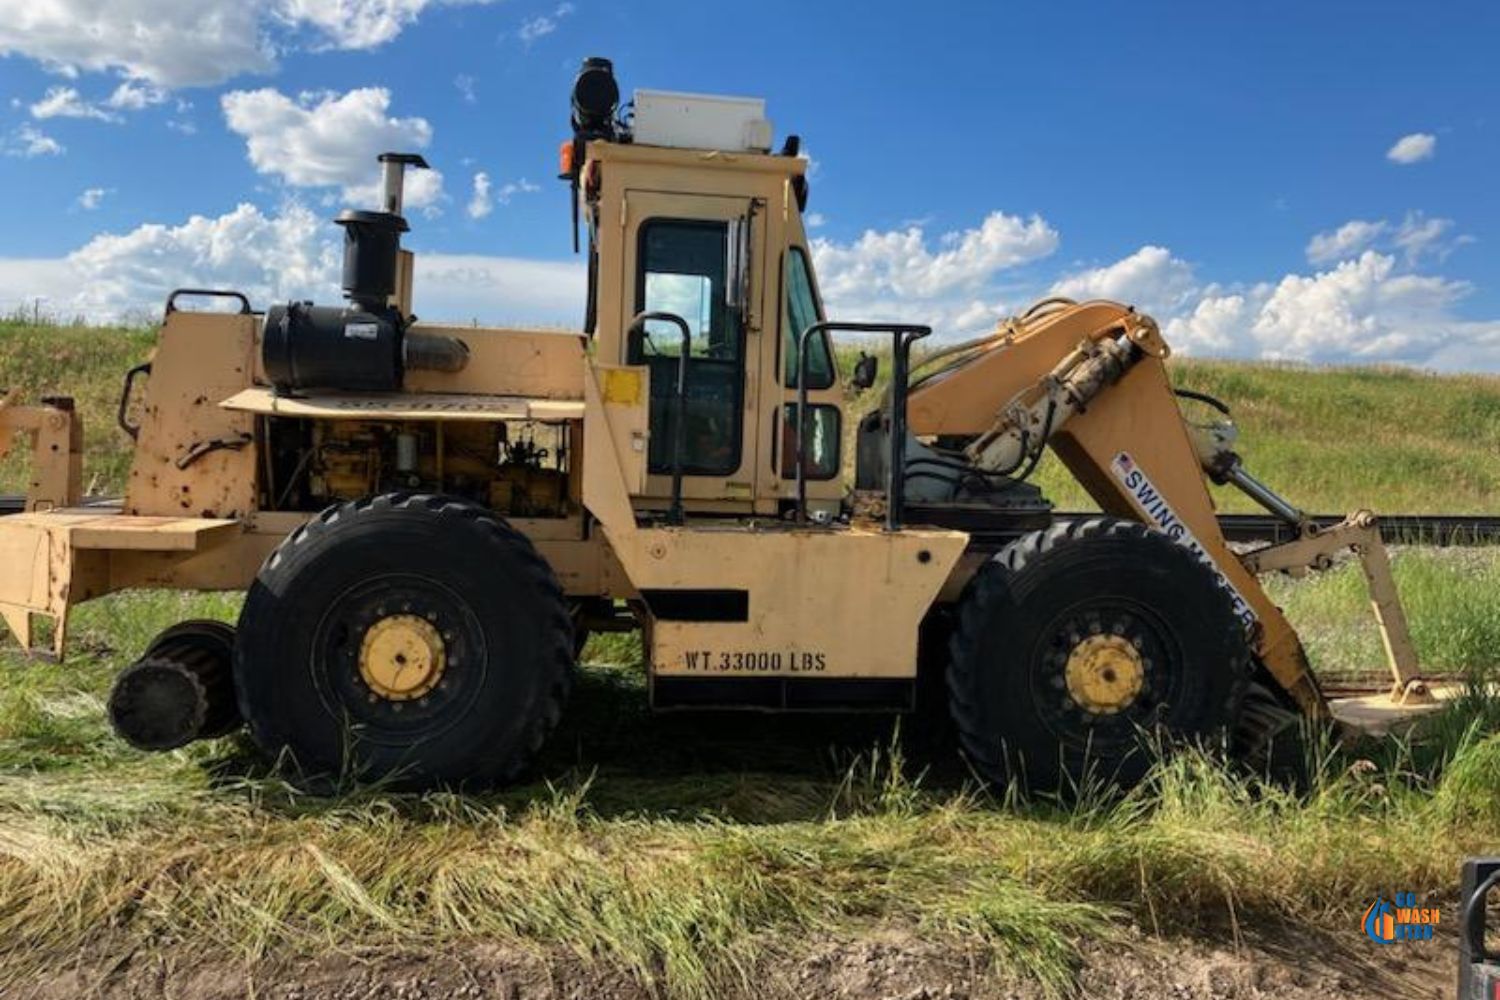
[887, 966]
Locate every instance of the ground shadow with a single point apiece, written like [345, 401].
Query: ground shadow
[748, 767]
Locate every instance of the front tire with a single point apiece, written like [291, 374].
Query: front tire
[1079, 647]
[417, 641]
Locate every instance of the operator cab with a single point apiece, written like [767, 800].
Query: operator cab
[690, 215]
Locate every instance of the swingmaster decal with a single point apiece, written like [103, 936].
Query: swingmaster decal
[1159, 514]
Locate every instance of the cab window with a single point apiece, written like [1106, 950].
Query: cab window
[682, 265]
[802, 311]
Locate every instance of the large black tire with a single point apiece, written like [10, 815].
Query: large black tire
[1028, 610]
[494, 606]
[1273, 740]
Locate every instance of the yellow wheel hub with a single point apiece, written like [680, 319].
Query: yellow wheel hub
[1104, 674]
[402, 657]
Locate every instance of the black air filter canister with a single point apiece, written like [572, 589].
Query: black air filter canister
[372, 244]
[332, 347]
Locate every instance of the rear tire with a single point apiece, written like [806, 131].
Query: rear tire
[1273, 740]
[1081, 646]
[352, 599]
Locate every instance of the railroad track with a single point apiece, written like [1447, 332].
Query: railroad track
[1397, 529]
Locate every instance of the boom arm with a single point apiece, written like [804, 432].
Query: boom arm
[1090, 381]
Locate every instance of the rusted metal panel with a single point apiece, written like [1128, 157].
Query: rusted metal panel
[192, 456]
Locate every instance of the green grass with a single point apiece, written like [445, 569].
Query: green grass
[1452, 602]
[87, 363]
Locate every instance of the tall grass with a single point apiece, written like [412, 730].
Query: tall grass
[87, 363]
[1452, 602]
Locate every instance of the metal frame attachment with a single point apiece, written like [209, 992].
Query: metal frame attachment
[209, 293]
[679, 421]
[905, 335]
[1359, 532]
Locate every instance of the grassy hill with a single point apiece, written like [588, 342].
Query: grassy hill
[1330, 439]
[1336, 439]
[87, 363]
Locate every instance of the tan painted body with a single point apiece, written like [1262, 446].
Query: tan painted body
[205, 503]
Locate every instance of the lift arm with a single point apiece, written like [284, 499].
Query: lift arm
[1089, 380]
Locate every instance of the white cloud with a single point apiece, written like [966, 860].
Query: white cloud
[168, 42]
[499, 290]
[66, 102]
[133, 96]
[1151, 278]
[1416, 237]
[955, 287]
[510, 189]
[29, 142]
[180, 43]
[465, 85]
[290, 254]
[1362, 310]
[294, 253]
[330, 140]
[1413, 148]
[543, 24]
[485, 196]
[899, 263]
[92, 198]
[481, 204]
[815, 220]
[1345, 241]
[1216, 324]
[1419, 236]
[267, 257]
[358, 24]
[1367, 309]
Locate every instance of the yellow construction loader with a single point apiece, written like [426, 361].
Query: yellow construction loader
[428, 519]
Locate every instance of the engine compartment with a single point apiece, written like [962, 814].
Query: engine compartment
[518, 468]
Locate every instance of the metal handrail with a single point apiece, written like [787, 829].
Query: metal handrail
[1471, 926]
[679, 422]
[121, 418]
[905, 335]
[209, 293]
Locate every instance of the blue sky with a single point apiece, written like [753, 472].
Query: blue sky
[1297, 180]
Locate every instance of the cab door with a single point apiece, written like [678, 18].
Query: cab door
[683, 255]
